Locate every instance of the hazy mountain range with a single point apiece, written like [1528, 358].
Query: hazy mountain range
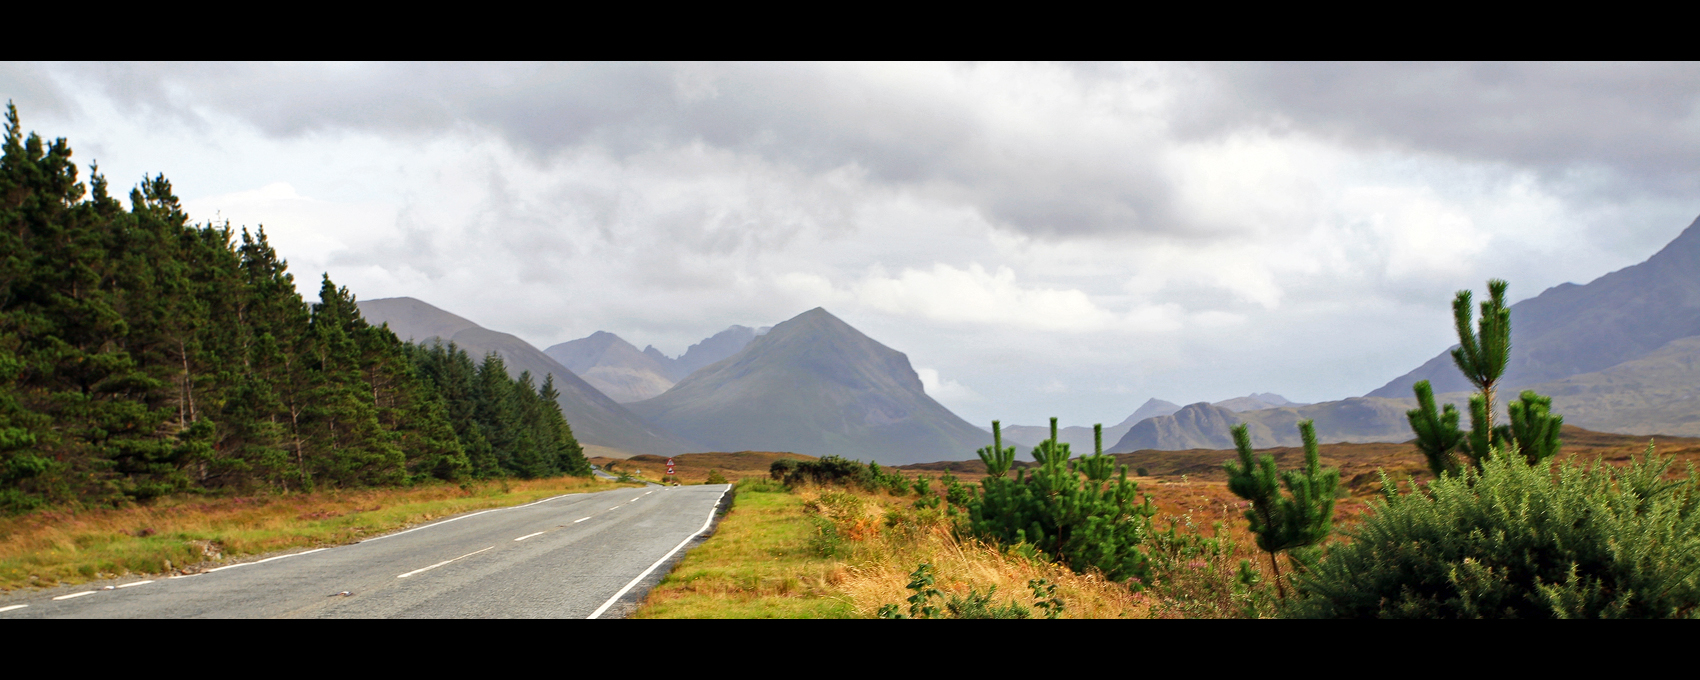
[619, 370]
[1619, 354]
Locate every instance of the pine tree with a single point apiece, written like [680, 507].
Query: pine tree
[997, 458]
[1438, 436]
[1533, 430]
[1083, 522]
[1483, 357]
[1304, 516]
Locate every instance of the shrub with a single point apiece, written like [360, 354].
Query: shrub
[714, 477]
[1520, 541]
[1073, 512]
[1284, 523]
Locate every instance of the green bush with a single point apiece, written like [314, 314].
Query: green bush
[1071, 510]
[1519, 541]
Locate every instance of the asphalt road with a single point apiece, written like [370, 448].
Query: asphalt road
[565, 557]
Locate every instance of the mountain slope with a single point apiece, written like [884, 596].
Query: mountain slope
[1079, 439]
[1656, 394]
[1569, 329]
[615, 367]
[594, 417]
[816, 386]
[712, 349]
[1208, 426]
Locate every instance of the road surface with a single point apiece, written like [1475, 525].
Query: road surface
[564, 557]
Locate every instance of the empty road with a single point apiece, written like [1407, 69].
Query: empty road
[565, 557]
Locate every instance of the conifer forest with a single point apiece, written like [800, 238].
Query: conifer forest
[143, 355]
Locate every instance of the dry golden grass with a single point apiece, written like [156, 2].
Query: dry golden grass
[184, 535]
[770, 558]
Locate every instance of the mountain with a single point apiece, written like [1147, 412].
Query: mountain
[594, 417]
[1208, 426]
[816, 386]
[1256, 402]
[712, 349]
[1079, 439]
[626, 375]
[615, 366]
[1570, 330]
[1656, 394]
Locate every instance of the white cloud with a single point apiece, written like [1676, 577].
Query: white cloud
[945, 390]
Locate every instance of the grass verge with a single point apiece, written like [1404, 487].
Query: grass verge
[185, 535]
[835, 553]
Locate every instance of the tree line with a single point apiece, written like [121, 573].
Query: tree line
[142, 355]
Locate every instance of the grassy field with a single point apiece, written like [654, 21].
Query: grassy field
[185, 535]
[832, 553]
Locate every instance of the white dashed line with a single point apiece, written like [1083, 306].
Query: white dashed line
[446, 521]
[581, 519]
[15, 606]
[434, 566]
[137, 583]
[540, 533]
[67, 597]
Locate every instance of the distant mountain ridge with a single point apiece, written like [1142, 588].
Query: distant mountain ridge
[626, 375]
[594, 418]
[816, 386]
[614, 366]
[1079, 438]
[1209, 426]
[1570, 329]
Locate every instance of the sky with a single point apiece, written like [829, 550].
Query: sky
[1040, 239]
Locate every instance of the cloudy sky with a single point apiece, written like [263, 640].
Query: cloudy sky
[1040, 239]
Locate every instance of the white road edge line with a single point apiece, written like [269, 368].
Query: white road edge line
[705, 523]
[137, 583]
[540, 533]
[434, 566]
[15, 606]
[249, 564]
[67, 597]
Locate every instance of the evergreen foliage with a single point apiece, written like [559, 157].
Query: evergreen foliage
[512, 427]
[997, 458]
[142, 355]
[1304, 516]
[1520, 541]
[1483, 356]
[1071, 511]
